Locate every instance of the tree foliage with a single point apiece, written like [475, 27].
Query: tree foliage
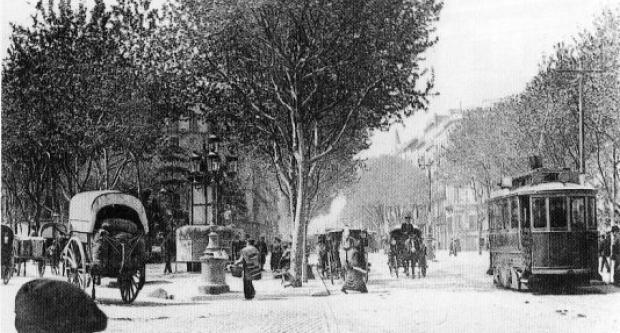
[543, 119]
[303, 80]
[77, 113]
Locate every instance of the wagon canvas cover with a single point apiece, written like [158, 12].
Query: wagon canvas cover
[84, 207]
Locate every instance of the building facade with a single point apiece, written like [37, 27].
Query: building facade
[455, 212]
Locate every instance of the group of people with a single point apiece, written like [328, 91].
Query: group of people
[252, 256]
[280, 252]
[609, 254]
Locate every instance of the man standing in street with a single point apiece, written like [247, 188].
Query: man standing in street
[236, 246]
[604, 252]
[615, 252]
[276, 254]
[250, 259]
[168, 249]
[263, 250]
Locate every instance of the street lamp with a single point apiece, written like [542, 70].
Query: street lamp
[232, 162]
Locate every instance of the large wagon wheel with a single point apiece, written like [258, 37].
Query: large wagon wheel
[130, 284]
[74, 263]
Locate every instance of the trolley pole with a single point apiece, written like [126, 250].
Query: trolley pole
[580, 71]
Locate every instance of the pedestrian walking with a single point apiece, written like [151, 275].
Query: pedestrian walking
[168, 249]
[236, 247]
[604, 253]
[249, 258]
[355, 279]
[276, 254]
[53, 306]
[263, 249]
[615, 253]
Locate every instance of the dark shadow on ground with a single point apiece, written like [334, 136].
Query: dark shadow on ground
[571, 291]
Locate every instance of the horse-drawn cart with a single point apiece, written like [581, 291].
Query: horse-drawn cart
[329, 256]
[406, 250]
[107, 240]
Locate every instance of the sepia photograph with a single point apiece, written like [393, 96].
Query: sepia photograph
[298, 166]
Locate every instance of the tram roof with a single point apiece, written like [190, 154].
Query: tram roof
[541, 189]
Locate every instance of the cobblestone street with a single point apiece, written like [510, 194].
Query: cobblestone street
[455, 296]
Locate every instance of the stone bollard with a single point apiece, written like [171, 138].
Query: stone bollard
[214, 261]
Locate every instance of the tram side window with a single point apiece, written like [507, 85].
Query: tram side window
[514, 214]
[592, 213]
[505, 214]
[492, 217]
[524, 202]
[578, 213]
[539, 214]
[557, 212]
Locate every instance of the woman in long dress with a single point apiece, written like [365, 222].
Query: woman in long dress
[356, 276]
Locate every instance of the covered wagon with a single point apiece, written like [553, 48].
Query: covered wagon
[107, 231]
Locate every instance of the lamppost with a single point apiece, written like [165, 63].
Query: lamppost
[208, 170]
[426, 165]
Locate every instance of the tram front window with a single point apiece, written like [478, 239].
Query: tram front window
[539, 213]
[557, 212]
[578, 213]
[591, 213]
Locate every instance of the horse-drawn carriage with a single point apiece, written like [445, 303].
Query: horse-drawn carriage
[361, 243]
[6, 256]
[406, 250]
[329, 254]
[107, 240]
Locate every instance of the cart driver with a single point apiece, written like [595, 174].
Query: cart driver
[407, 227]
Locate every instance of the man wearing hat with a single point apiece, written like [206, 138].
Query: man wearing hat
[276, 254]
[263, 249]
[407, 227]
[615, 251]
[53, 306]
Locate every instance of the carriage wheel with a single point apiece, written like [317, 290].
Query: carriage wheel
[41, 268]
[74, 264]
[130, 285]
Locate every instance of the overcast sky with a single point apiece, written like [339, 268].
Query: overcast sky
[487, 49]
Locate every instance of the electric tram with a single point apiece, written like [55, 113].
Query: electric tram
[542, 230]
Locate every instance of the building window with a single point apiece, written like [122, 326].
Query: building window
[472, 222]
